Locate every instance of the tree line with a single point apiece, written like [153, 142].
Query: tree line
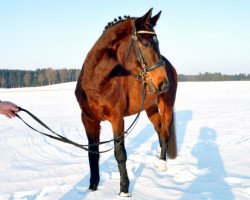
[40, 77]
[33, 78]
[214, 77]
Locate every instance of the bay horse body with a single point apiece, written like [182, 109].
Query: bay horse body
[110, 85]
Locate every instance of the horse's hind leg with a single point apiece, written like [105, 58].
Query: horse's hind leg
[163, 121]
[167, 134]
[155, 117]
[120, 153]
[92, 128]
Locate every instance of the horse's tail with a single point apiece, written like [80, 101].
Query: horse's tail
[171, 141]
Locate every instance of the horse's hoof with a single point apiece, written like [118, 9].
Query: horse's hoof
[123, 194]
[93, 187]
[162, 165]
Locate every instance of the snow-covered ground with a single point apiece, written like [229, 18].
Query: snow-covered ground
[212, 120]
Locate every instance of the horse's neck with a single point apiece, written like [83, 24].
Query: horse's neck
[100, 62]
[97, 68]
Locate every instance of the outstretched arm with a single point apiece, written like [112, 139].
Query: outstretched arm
[8, 109]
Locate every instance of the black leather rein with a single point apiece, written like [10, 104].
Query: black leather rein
[61, 138]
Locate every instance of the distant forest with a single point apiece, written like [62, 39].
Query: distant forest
[214, 77]
[39, 77]
[49, 76]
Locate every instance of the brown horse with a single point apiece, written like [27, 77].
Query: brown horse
[110, 85]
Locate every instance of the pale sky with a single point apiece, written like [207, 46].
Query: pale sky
[196, 36]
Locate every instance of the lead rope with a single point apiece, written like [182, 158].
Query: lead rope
[84, 147]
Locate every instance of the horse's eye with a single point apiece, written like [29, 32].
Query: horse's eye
[155, 39]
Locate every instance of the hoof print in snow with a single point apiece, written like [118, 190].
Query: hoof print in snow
[83, 190]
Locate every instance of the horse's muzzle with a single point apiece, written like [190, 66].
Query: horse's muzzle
[162, 87]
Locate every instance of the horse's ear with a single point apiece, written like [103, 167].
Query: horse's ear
[154, 19]
[147, 16]
[145, 19]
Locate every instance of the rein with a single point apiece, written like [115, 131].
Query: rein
[63, 139]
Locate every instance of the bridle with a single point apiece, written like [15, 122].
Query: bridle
[145, 69]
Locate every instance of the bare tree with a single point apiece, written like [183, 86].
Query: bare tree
[41, 79]
[26, 79]
[63, 73]
[77, 73]
[2, 81]
[50, 75]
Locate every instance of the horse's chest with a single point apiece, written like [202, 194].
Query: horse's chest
[135, 103]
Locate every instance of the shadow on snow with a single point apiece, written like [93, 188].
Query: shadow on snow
[209, 183]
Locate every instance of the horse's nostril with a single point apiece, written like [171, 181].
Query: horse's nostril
[163, 86]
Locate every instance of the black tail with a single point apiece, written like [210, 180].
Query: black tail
[171, 142]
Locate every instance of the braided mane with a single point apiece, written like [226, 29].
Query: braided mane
[116, 21]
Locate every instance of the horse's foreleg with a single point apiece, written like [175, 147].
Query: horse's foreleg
[93, 164]
[120, 154]
[121, 158]
[92, 128]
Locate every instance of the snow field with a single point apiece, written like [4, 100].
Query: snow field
[212, 122]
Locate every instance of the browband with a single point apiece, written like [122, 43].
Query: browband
[147, 32]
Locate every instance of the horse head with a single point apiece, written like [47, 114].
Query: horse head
[139, 52]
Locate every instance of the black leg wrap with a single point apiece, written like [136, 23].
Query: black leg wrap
[159, 137]
[164, 147]
[94, 166]
[121, 158]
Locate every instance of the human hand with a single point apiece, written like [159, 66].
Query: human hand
[8, 109]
